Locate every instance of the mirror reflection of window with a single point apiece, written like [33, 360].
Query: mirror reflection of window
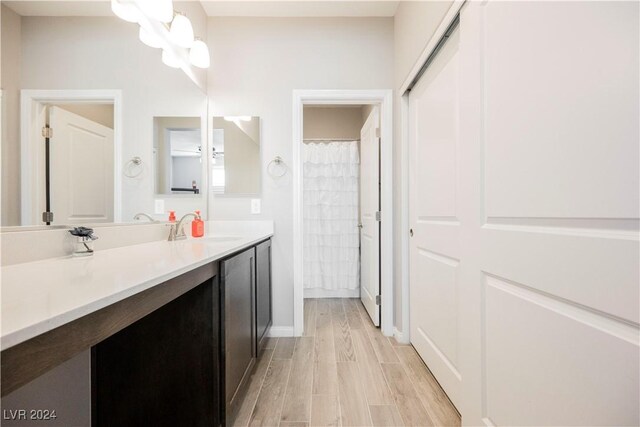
[217, 162]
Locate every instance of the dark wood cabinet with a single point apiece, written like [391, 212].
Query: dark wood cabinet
[179, 353]
[238, 278]
[264, 315]
[165, 369]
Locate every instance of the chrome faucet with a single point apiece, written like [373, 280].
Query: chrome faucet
[177, 230]
[141, 215]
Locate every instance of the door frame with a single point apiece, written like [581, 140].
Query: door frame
[404, 336]
[31, 207]
[383, 98]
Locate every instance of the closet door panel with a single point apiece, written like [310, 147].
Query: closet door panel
[550, 263]
[434, 218]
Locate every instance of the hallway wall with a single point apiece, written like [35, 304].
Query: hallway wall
[256, 65]
[414, 25]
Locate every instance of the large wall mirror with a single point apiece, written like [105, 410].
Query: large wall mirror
[103, 95]
[235, 157]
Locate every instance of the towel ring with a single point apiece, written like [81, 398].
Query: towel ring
[278, 162]
[133, 163]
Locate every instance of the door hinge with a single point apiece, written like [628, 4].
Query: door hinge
[378, 300]
[377, 132]
[378, 216]
[47, 216]
[47, 132]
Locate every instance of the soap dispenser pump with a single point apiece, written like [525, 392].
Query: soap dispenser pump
[197, 226]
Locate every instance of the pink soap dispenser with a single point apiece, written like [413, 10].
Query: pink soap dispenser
[197, 226]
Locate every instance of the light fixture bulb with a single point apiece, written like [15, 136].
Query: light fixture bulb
[149, 39]
[170, 60]
[125, 9]
[199, 54]
[160, 10]
[181, 31]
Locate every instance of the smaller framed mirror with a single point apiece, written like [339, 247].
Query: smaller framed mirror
[235, 162]
[177, 152]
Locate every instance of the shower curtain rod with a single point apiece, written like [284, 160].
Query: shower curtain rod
[330, 139]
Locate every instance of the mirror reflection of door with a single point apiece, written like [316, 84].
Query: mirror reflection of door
[178, 155]
[81, 156]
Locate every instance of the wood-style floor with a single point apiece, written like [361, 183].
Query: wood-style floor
[342, 372]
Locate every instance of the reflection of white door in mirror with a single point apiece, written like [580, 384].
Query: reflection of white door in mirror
[81, 169]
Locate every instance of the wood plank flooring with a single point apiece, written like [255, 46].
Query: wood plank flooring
[342, 372]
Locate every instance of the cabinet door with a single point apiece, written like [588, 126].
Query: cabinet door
[162, 370]
[263, 292]
[238, 278]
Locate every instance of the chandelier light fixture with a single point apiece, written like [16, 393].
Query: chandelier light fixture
[181, 31]
[170, 60]
[161, 27]
[125, 10]
[199, 54]
[149, 38]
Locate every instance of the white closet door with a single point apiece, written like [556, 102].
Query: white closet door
[369, 205]
[525, 299]
[435, 245]
[549, 165]
[81, 169]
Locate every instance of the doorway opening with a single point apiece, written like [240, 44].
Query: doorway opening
[342, 203]
[70, 150]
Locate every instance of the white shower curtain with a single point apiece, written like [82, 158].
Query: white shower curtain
[331, 201]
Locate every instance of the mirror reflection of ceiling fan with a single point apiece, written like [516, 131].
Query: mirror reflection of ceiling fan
[215, 154]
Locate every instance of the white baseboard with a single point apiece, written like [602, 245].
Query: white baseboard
[281, 331]
[331, 293]
[400, 336]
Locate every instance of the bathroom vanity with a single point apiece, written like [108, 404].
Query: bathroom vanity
[174, 328]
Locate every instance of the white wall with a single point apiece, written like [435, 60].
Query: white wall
[105, 53]
[333, 122]
[256, 64]
[414, 25]
[10, 82]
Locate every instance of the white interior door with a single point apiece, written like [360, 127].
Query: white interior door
[525, 261]
[435, 244]
[369, 205]
[81, 169]
[549, 159]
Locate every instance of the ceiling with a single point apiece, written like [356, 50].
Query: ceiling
[291, 8]
[300, 8]
[60, 8]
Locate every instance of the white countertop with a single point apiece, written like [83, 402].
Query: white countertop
[42, 295]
